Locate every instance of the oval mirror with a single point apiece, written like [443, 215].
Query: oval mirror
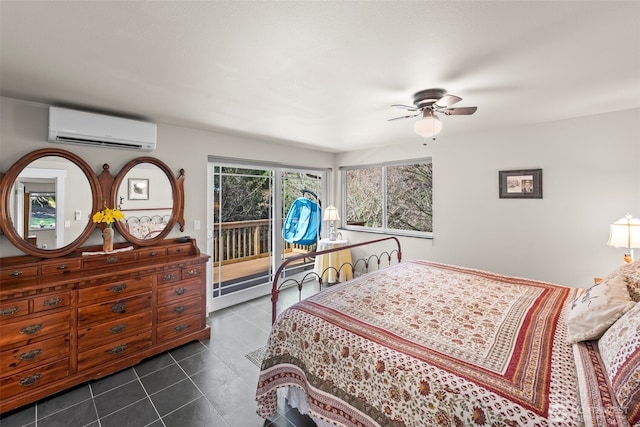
[47, 199]
[147, 193]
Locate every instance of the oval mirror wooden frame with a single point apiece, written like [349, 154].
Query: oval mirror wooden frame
[6, 223]
[177, 190]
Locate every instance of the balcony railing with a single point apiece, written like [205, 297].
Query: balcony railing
[240, 241]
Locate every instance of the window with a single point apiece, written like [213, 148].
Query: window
[42, 213]
[390, 198]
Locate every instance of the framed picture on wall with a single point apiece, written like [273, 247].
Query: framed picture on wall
[138, 189]
[520, 184]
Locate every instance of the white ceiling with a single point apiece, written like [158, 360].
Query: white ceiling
[323, 74]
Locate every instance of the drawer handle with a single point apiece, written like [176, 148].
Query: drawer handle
[179, 309]
[31, 329]
[16, 273]
[192, 272]
[10, 311]
[179, 250]
[30, 380]
[167, 277]
[118, 349]
[112, 260]
[62, 267]
[154, 253]
[118, 328]
[52, 301]
[118, 288]
[119, 307]
[180, 328]
[181, 291]
[30, 355]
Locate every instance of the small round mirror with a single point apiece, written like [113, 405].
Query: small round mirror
[47, 198]
[145, 191]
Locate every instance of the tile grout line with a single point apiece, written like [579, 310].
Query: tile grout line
[149, 397]
[194, 384]
[93, 400]
[56, 412]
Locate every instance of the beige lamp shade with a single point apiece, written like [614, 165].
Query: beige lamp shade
[331, 214]
[625, 233]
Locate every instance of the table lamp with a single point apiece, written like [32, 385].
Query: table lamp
[625, 233]
[331, 215]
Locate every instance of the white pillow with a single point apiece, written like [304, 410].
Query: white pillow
[593, 312]
[632, 277]
[620, 351]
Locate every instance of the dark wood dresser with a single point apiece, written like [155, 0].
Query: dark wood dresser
[67, 320]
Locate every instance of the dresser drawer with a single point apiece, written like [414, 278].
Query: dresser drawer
[168, 276]
[13, 309]
[179, 249]
[112, 310]
[34, 354]
[51, 302]
[169, 293]
[180, 309]
[18, 273]
[178, 328]
[114, 350]
[104, 333]
[192, 272]
[61, 266]
[109, 260]
[28, 330]
[152, 253]
[31, 379]
[122, 288]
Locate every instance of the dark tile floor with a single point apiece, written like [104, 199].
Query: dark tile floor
[209, 383]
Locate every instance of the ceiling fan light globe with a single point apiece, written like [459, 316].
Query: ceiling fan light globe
[428, 126]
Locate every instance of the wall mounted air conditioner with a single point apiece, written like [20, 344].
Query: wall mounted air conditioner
[82, 128]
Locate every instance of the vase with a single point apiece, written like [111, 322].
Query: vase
[107, 239]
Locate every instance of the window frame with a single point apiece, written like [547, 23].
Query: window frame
[384, 229]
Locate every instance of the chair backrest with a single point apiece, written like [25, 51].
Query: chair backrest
[302, 223]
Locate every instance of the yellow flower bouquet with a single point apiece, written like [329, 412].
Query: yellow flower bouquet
[107, 216]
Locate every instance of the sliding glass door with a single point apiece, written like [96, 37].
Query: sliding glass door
[249, 203]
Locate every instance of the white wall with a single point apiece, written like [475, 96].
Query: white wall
[23, 128]
[591, 177]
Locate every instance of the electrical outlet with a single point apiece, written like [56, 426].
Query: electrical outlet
[77, 215]
[196, 224]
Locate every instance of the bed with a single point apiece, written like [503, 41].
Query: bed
[146, 227]
[426, 344]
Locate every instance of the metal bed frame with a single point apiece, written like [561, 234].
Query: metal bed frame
[365, 262]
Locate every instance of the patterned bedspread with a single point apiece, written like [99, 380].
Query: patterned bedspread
[425, 344]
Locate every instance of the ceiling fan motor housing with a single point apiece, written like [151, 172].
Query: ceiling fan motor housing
[427, 97]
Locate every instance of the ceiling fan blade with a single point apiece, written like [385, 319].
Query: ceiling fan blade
[405, 107]
[460, 111]
[404, 117]
[446, 101]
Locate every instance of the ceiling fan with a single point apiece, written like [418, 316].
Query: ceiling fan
[427, 103]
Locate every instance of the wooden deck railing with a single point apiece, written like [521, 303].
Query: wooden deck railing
[239, 241]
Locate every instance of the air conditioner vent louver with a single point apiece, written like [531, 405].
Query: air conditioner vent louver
[129, 146]
[97, 130]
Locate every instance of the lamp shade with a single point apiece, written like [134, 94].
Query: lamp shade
[625, 233]
[331, 214]
[429, 125]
